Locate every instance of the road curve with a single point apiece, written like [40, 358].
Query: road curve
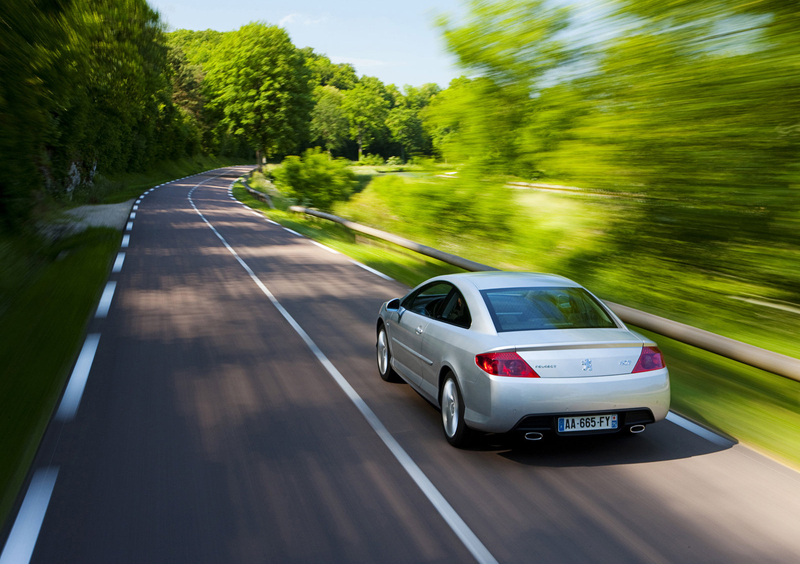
[209, 431]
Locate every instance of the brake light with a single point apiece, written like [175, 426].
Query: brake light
[505, 364]
[650, 359]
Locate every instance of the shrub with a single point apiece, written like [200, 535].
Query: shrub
[371, 160]
[315, 180]
[394, 161]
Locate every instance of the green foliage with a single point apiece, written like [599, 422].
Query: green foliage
[366, 107]
[328, 121]
[341, 76]
[316, 180]
[371, 160]
[259, 82]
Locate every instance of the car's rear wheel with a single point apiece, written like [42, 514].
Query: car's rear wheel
[385, 357]
[455, 429]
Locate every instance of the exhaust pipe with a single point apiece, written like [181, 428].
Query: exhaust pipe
[533, 436]
[636, 429]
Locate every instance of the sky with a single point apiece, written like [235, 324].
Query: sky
[397, 42]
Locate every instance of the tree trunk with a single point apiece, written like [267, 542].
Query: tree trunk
[359, 146]
[258, 161]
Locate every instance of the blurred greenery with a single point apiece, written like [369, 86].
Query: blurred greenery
[47, 295]
[315, 180]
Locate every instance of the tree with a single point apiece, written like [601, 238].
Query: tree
[365, 107]
[406, 129]
[328, 121]
[260, 83]
[325, 73]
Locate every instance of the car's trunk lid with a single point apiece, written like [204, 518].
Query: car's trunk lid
[577, 353]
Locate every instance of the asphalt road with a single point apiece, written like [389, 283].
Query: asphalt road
[209, 431]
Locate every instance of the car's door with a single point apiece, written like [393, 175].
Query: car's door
[442, 338]
[415, 314]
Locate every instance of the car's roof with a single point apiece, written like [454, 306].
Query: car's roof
[501, 279]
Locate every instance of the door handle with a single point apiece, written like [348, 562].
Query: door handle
[419, 330]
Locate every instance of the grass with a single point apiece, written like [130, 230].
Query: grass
[49, 292]
[566, 234]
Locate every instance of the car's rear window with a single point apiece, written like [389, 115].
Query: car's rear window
[530, 309]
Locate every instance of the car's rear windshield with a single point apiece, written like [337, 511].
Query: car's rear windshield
[531, 309]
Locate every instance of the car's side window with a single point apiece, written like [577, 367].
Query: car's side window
[428, 301]
[455, 310]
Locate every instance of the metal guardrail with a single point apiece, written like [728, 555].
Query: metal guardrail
[256, 194]
[777, 363]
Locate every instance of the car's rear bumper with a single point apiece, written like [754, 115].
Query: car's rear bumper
[512, 399]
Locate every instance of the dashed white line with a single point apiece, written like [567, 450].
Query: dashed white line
[77, 381]
[105, 300]
[139, 201]
[135, 207]
[22, 540]
[129, 226]
[698, 430]
[133, 215]
[292, 232]
[118, 262]
[126, 239]
[457, 525]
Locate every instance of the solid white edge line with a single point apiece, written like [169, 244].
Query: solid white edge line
[458, 526]
[126, 240]
[25, 532]
[292, 232]
[77, 381]
[129, 226]
[698, 430]
[372, 270]
[321, 246]
[118, 262]
[105, 300]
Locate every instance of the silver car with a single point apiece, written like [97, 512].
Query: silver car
[530, 353]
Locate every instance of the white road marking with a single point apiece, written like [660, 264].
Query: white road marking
[25, 532]
[118, 262]
[129, 226]
[126, 239]
[698, 430]
[321, 246]
[292, 232]
[105, 300]
[372, 270]
[272, 222]
[77, 381]
[458, 526]
[135, 207]
[139, 201]
[133, 215]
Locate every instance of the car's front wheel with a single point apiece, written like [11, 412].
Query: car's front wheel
[385, 357]
[455, 429]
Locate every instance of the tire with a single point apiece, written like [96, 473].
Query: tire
[452, 407]
[385, 357]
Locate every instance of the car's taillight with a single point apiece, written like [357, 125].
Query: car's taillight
[505, 364]
[650, 359]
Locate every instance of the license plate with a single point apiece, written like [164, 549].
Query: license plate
[587, 423]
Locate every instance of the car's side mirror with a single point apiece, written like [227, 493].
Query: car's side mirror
[393, 305]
